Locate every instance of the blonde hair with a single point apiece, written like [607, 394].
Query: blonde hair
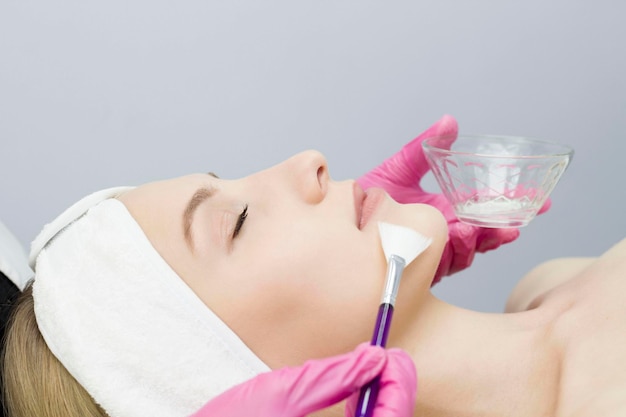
[35, 382]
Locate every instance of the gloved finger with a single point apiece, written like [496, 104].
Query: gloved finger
[299, 391]
[320, 383]
[490, 239]
[398, 388]
[412, 154]
[463, 243]
[463, 239]
[406, 167]
[466, 240]
[546, 206]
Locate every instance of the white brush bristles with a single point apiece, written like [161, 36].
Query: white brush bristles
[402, 241]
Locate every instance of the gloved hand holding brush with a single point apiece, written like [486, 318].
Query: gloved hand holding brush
[400, 176]
[319, 384]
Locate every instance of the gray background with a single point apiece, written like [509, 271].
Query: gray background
[97, 94]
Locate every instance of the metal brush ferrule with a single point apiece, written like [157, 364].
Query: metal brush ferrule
[395, 267]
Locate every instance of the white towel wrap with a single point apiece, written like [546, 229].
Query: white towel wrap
[123, 323]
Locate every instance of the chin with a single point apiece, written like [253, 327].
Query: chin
[424, 218]
[430, 222]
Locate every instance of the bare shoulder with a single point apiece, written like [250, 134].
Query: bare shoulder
[543, 278]
[556, 272]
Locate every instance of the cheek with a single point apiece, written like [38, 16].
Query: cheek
[306, 270]
[314, 290]
[319, 281]
[325, 263]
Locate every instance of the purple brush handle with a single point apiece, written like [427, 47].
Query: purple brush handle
[369, 392]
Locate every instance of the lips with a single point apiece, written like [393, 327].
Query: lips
[366, 203]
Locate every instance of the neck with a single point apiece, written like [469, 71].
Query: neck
[479, 364]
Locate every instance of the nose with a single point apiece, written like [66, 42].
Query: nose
[308, 172]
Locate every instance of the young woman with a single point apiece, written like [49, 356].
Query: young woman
[290, 266]
[288, 259]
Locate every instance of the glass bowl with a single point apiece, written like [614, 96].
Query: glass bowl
[496, 181]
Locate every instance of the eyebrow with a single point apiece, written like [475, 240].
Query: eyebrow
[202, 194]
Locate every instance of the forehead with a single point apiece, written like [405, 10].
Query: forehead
[158, 206]
[173, 192]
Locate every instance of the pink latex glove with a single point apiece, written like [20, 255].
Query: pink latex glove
[400, 176]
[318, 384]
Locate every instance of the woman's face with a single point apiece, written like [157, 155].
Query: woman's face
[288, 258]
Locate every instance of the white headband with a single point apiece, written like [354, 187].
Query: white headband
[123, 323]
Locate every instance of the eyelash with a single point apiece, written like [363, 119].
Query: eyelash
[240, 221]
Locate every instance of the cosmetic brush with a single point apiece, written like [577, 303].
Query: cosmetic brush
[401, 246]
